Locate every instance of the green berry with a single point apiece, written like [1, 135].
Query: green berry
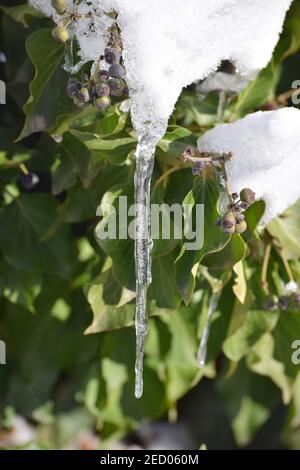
[59, 5]
[117, 86]
[77, 101]
[103, 89]
[228, 222]
[83, 95]
[241, 227]
[60, 34]
[102, 103]
[247, 195]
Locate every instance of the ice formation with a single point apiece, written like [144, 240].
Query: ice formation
[266, 149]
[169, 44]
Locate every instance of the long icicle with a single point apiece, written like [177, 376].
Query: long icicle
[143, 247]
[202, 351]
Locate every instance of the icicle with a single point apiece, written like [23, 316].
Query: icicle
[202, 351]
[69, 65]
[143, 244]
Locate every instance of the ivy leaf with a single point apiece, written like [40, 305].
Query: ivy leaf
[24, 222]
[115, 150]
[23, 14]
[48, 100]
[113, 314]
[287, 231]
[258, 92]
[205, 191]
[250, 328]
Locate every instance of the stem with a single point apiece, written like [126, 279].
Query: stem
[285, 263]
[227, 187]
[265, 266]
[165, 175]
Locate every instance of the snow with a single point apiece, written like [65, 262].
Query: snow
[170, 44]
[220, 81]
[266, 148]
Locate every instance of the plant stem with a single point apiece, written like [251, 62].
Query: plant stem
[265, 266]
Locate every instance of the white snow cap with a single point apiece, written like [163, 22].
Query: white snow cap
[266, 149]
[169, 44]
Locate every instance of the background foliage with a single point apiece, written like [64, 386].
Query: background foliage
[67, 302]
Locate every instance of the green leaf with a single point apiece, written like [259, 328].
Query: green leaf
[205, 191]
[24, 223]
[176, 140]
[249, 329]
[287, 231]
[115, 150]
[117, 313]
[24, 14]
[48, 100]
[262, 361]
[258, 92]
[233, 252]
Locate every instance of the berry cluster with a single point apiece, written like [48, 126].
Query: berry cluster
[284, 302]
[233, 221]
[107, 80]
[101, 86]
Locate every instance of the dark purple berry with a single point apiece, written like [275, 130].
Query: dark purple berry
[111, 55]
[228, 222]
[297, 298]
[73, 87]
[28, 181]
[283, 302]
[240, 218]
[196, 170]
[219, 222]
[244, 205]
[116, 71]
[235, 196]
[270, 304]
[103, 75]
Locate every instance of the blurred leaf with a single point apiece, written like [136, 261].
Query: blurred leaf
[250, 330]
[287, 231]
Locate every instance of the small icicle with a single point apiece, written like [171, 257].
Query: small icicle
[202, 351]
[69, 56]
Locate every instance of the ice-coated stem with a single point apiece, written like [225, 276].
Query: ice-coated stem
[202, 351]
